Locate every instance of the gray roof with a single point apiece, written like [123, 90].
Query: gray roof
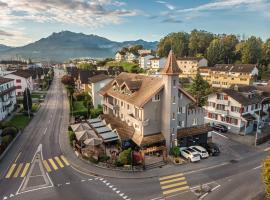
[109, 136]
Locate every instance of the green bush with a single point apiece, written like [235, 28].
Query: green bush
[93, 160]
[95, 112]
[266, 176]
[125, 157]
[71, 137]
[10, 131]
[6, 140]
[175, 151]
[103, 158]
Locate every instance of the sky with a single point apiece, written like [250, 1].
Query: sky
[26, 21]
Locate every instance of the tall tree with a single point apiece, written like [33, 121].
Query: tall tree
[199, 41]
[252, 50]
[230, 42]
[216, 52]
[266, 51]
[27, 100]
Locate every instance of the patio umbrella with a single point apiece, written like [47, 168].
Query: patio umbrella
[80, 127]
[93, 141]
[86, 134]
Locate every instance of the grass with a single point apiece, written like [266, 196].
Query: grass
[79, 109]
[38, 95]
[35, 107]
[19, 121]
[126, 65]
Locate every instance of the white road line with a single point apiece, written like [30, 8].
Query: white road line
[11, 195]
[118, 191]
[45, 131]
[4, 198]
[199, 170]
[110, 186]
[114, 189]
[82, 180]
[90, 179]
[258, 167]
[107, 184]
[215, 188]
[220, 134]
[67, 183]
[201, 197]
[121, 194]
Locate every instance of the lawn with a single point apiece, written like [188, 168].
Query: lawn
[126, 65]
[19, 121]
[79, 109]
[38, 95]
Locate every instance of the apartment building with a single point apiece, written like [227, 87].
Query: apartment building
[144, 61]
[131, 57]
[153, 110]
[157, 63]
[7, 97]
[190, 66]
[226, 75]
[240, 108]
[119, 56]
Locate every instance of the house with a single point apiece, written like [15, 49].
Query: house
[119, 56]
[22, 80]
[95, 84]
[239, 108]
[37, 74]
[7, 97]
[157, 63]
[153, 111]
[190, 65]
[226, 75]
[145, 52]
[131, 57]
[144, 61]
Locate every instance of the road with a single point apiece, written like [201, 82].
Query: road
[35, 168]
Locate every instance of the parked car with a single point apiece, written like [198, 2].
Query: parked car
[202, 151]
[212, 149]
[189, 154]
[220, 128]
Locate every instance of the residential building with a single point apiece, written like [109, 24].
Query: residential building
[239, 108]
[190, 66]
[95, 84]
[119, 56]
[226, 75]
[131, 57]
[22, 80]
[7, 97]
[144, 61]
[145, 51]
[157, 63]
[151, 111]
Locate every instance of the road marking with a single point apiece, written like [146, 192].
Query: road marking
[176, 190]
[46, 165]
[45, 131]
[18, 170]
[206, 168]
[215, 188]
[267, 149]
[53, 164]
[67, 183]
[17, 157]
[220, 134]
[59, 162]
[65, 160]
[258, 167]
[25, 170]
[171, 176]
[4, 198]
[173, 185]
[172, 180]
[11, 170]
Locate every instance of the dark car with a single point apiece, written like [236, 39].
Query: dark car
[220, 128]
[212, 149]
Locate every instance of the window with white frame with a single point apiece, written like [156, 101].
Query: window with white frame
[156, 97]
[195, 122]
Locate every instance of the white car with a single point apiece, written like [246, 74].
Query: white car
[190, 154]
[202, 151]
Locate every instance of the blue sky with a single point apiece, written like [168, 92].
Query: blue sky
[25, 21]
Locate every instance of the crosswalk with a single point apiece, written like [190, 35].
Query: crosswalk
[20, 170]
[173, 183]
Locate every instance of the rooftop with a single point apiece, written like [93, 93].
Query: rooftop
[244, 68]
[5, 80]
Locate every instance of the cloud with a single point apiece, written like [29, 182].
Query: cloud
[4, 33]
[168, 5]
[93, 13]
[172, 20]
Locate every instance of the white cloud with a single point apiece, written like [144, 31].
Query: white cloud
[168, 5]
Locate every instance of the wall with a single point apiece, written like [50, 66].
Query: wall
[96, 98]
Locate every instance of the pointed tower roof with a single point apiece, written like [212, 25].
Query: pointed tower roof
[171, 67]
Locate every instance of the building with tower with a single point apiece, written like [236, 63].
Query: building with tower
[153, 111]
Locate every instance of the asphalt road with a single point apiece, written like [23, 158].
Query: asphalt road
[38, 147]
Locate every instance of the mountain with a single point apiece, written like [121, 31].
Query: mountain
[65, 45]
[4, 47]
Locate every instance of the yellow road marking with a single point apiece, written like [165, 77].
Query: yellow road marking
[11, 170]
[25, 170]
[173, 180]
[17, 157]
[267, 149]
[176, 190]
[59, 161]
[173, 185]
[46, 166]
[53, 164]
[171, 176]
[65, 160]
[18, 171]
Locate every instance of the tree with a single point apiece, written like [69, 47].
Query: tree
[27, 100]
[134, 49]
[266, 176]
[200, 89]
[199, 41]
[216, 52]
[67, 80]
[87, 66]
[230, 42]
[252, 51]
[266, 51]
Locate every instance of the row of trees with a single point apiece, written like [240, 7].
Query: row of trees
[133, 49]
[216, 48]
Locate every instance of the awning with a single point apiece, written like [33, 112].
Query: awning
[98, 124]
[80, 127]
[109, 136]
[93, 141]
[191, 131]
[94, 120]
[248, 117]
[86, 134]
[103, 130]
[149, 139]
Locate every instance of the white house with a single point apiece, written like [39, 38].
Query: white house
[157, 63]
[7, 97]
[22, 80]
[144, 61]
[130, 57]
[95, 84]
[119, 56]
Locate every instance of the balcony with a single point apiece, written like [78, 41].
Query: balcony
[224, 102]
[222, 112]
